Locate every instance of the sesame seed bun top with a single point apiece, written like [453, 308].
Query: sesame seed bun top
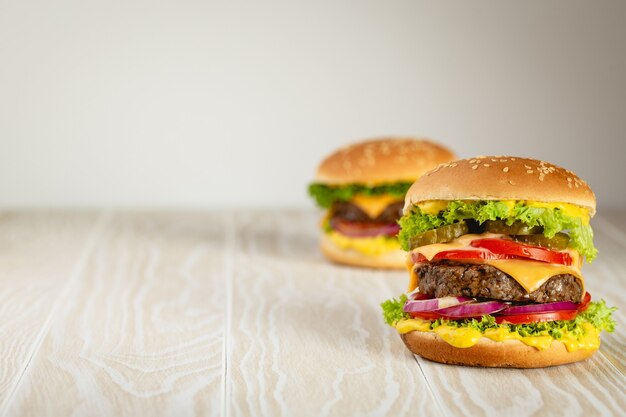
[501, 178]
[384, 160]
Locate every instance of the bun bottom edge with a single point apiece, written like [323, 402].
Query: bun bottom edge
[488, 353]
[395, 259]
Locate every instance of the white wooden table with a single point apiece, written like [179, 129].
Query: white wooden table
[236, 314]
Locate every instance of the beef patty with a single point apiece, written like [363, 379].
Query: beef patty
[445, 278]
[353, 213]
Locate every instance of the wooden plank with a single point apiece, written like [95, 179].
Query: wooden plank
[592, 387]
[307, 336]
[39, 253]
[141, 332]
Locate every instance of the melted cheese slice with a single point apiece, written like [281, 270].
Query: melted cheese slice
[530, 274]
[374, 205]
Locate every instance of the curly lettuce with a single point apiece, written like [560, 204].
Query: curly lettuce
[325, 195]
[552, 220]
[597, 314]
[392, 310]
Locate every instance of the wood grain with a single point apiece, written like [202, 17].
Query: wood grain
[39, 253]
[307, 336]
[141, 332]
[236, 314]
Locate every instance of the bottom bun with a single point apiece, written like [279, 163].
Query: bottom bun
[507, 354]
[395, 259]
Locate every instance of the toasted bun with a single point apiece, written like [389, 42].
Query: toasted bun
[381, 161]
[486, 352]
[501, 178]
[391, 260]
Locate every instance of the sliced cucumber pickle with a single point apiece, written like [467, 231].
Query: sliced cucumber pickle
[517, 228]
[440, 235]
[558, 242]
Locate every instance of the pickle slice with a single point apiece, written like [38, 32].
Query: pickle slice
[517, 228]
[558, 242]
[440, 235]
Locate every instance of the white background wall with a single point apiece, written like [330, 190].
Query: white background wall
[203, 104]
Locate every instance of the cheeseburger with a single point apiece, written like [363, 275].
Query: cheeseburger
[496, 245]
[362, 186]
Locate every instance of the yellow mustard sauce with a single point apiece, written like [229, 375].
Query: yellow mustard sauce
[377, 245]
[409, 325]
[589, 340]
[463, 337]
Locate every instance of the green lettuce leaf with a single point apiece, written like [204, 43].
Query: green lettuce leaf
[326, 195]
[392, 310]
[598, 314]
[552, 221]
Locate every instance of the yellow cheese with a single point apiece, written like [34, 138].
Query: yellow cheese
[570, 210]
[465, 337]
[533, 274]
[429, 251]
[372, 246]
[413, 278]
[530, 274]
[432, 206]
[374, 205]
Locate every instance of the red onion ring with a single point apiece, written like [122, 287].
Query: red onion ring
[472, 310]
[540, 308]
[432, 304]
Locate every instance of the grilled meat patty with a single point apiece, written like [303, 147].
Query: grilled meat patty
[446, 278]
[353, 213]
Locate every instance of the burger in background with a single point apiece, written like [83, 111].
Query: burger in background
[363, 187]
[496, 249]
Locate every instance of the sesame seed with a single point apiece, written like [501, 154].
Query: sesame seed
[569, 179]
[486, 165]
[511, 182]
[505, 169]
[527, 166]
[530, 171]
[474, 166]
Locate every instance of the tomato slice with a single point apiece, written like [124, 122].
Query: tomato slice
[471, 254]
[536, 253]
[537, 317]
[584, 304]
[425, 315]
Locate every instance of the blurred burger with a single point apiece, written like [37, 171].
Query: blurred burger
[363, 186]
[496, 249]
